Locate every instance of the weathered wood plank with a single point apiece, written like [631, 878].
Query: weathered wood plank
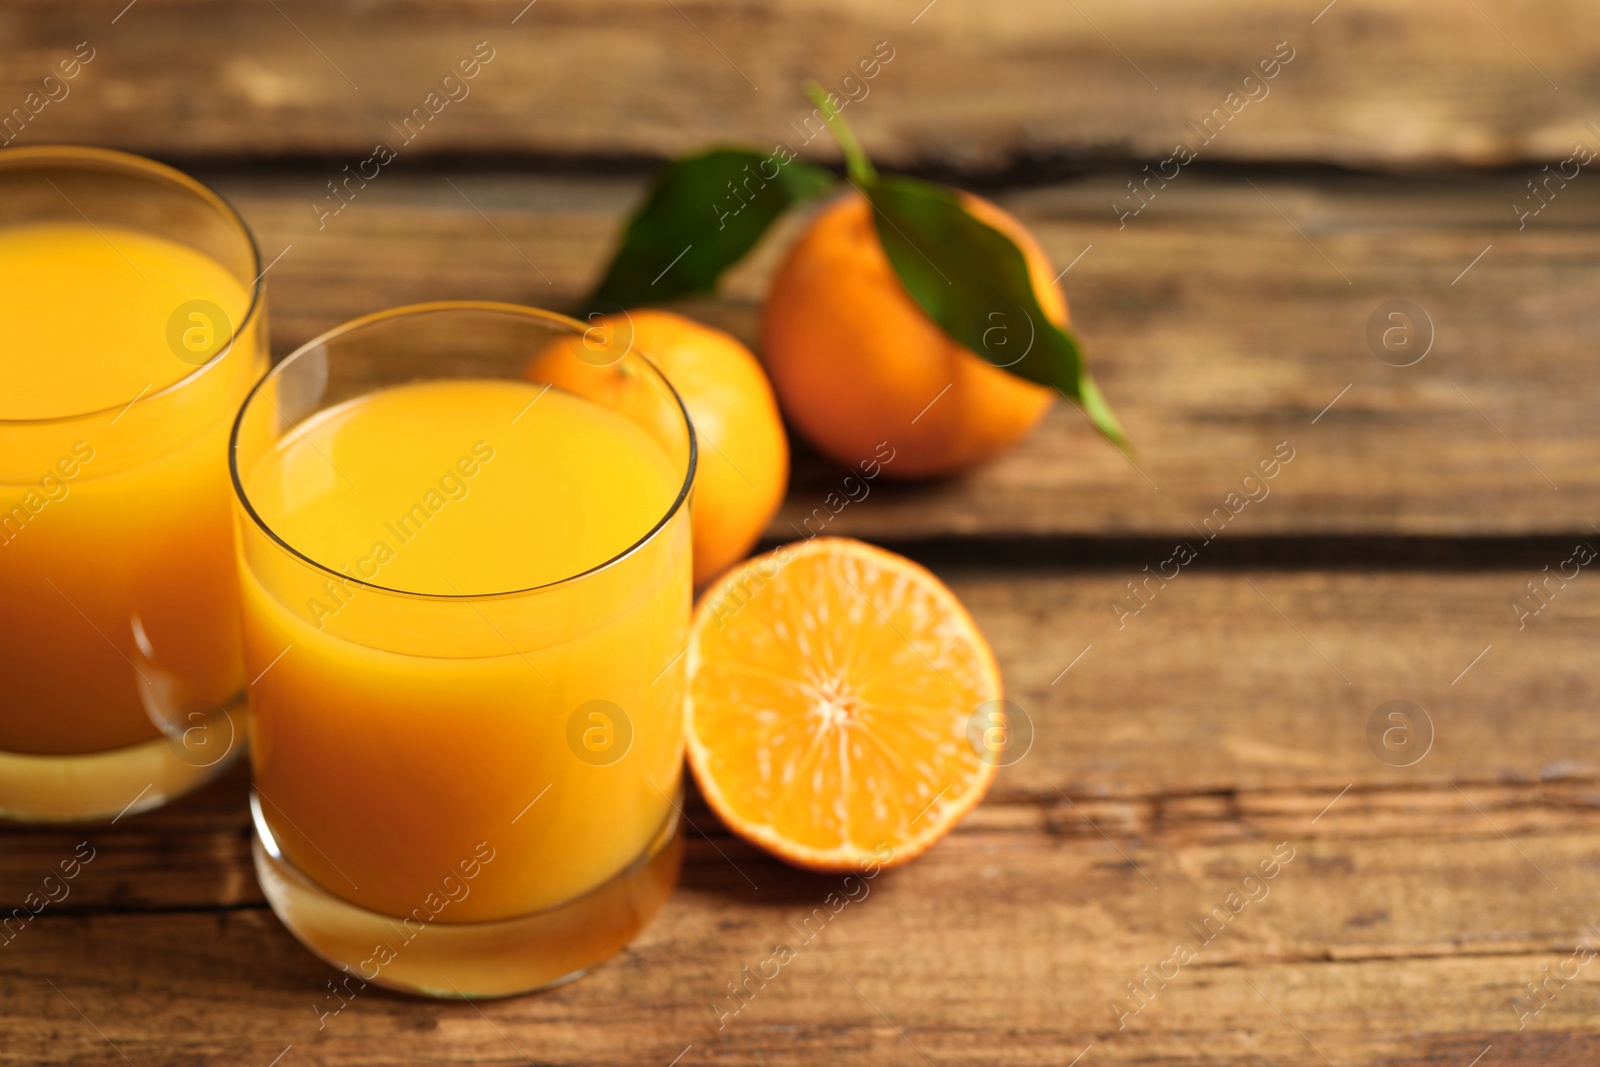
[977, 84]
[1000, 946]
[1207, 719]
[1215, 328]
[1273, 676]
[1173, 757]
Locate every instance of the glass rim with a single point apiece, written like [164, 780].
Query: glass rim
[88, 153]
[567, 324]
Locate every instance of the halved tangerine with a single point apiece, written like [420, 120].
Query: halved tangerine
[831, 687]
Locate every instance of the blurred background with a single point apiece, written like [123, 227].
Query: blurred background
[1392, 144]
[1236, 194]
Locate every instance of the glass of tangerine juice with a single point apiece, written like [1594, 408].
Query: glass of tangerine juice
[132, 323]
[465, 567]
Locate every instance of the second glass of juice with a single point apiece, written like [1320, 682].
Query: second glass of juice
[465, 563]
[131, 326]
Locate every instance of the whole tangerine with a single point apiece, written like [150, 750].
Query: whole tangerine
[857, 363]
[743, 467]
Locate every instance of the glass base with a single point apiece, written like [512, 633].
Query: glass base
[95, 786]
[471, 960]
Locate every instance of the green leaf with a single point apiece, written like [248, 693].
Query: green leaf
[969, 278]
[973, 281]
[703, 214]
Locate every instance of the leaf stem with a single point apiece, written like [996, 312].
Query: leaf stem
[857, 165]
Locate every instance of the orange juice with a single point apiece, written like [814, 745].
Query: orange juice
[430, 690]
[116, 576]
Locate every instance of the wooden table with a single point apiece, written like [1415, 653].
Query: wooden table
[1175, 749]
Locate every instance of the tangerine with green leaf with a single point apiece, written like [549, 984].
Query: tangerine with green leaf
[910, 316]
[855, 361]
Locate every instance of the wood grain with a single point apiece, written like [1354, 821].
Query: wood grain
[973, 84]
[1176, 754]
[1215, 328]
[1006, 944]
